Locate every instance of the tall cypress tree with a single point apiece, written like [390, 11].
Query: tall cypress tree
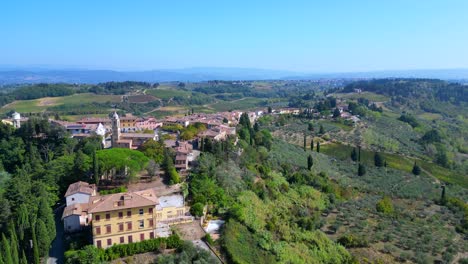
[23, 223]
[35, 246]
[378, 160]
[95, 168]
[23, 259]
[45, 213]
[310, 162]
[361, 170]
[43, 238]
[6, 250]
[13, 242]
[416, 169]
[354, 155]
[318, 146]
[312, 144]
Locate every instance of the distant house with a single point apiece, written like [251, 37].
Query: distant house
[79, 192]
[75, 214]
[75, 217]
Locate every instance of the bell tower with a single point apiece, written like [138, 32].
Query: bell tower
[115, 129]
[16, 120]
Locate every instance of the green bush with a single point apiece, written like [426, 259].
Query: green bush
[174, 176]
[353, 241]
[197, 209]
[208, 239]
[385, 206]
[120, 189]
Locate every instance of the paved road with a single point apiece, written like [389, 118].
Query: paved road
[57, 250]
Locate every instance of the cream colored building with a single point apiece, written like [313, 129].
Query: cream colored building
[123, 218]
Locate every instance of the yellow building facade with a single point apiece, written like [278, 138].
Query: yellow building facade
[123, 226]
[135, 216]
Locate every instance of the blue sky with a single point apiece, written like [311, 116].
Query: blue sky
[308, 36]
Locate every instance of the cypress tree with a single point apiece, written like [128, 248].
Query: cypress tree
[312, 144]
[13, 243]
[23, 259]
[256, 127]
[361, 170]
[45, 213]
[416, 169]
[378, 160]
[6, 251]
[318, 146]
[321, 130]
[23, 222]
[35, 247]
[310, 162]
[95, 168]
[443, 198]
[354, 155]
[43, 238]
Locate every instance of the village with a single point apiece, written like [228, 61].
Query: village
[149, 210]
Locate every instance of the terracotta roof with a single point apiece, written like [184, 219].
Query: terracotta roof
[75, 209]
[80, 187]
[119, 201]
[137, 135]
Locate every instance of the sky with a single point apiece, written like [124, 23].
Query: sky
[294, 35]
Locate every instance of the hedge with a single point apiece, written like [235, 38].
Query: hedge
[91, 254]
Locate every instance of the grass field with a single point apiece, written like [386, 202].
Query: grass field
[429, 116]
[167, 93]
[242, 104]
[39, 105]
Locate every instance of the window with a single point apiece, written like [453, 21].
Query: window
[122, 240]
[121, 227]
[159, 215]
[150, 210]
[150, 222]
[98, 230]
[129, 213]
[129, 225]
[141, 211]
[142, 236]
[73, 199]
[141, 224]
[97, 217]
[151, 235]
[120, 215]
[98, 243]
[180, 212]
[130, 239]
[108, 229]
[109, 241]
[107, 217]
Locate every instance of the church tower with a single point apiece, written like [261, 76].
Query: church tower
[115, 129]
[16, 120]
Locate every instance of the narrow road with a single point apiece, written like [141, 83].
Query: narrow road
[56, 253]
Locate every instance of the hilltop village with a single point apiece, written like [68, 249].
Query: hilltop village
[133, 216]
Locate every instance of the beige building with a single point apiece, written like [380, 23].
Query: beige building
[123, 218]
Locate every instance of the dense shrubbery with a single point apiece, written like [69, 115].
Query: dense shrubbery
[120, 189]
[90, 254]
[353, 241]
[409, 119]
